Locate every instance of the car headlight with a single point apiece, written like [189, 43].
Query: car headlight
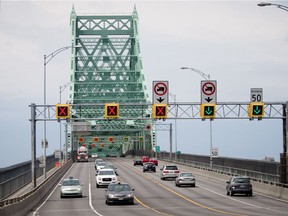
[99, 179]
[111, 195]
[114, 178]
[130, 195]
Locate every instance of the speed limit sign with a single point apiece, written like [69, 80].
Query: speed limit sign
[214, 152]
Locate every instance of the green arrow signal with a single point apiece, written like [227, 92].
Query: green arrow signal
[208, 110]
[257, 110]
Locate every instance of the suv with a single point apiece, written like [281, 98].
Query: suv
[169, 171]
[239, 184]
[105, 176]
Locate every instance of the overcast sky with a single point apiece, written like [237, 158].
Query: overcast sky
[239, 44]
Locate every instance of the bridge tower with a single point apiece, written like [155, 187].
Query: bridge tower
[107, 68]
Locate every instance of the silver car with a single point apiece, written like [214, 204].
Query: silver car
[185, 178]
[71, 187]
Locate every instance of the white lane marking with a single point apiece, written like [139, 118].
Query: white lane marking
[52, 191]
[90, 198]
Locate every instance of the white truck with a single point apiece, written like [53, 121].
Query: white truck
[82, 154]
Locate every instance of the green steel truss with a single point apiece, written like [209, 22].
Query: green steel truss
[107, 68]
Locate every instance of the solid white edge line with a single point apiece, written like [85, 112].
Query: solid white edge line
[52, 191]
[90, 197]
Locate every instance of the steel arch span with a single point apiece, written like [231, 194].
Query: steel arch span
[107, 68]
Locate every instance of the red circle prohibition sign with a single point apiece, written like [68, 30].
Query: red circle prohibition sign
[160, 87]
[208, 87]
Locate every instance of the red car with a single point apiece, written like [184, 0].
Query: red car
[144, 159]
[154, 160]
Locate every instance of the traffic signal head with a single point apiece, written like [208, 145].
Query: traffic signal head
[256, 110]
[208, 110]
[160, 111]
[62, 111]
[112, 110]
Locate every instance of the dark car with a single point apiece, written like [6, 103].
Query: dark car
[137, 161]
[239, 185]
[149, 167]
[119, 193]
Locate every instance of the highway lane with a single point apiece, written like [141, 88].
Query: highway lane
[157, 197]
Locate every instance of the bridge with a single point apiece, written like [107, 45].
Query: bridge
[106, 68]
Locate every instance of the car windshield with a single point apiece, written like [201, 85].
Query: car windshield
[149, 164]
[186, 175]
[71, 182]
[119, 187]
[101, 164]
[242, 180]
[106, 172]
[171, 168]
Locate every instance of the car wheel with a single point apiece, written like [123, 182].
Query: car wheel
[251, 193]
[231, 193]
[97, 186]
[228, 193]
[193, 185]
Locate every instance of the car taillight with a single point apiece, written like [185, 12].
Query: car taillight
[165, 171]
[176, 171]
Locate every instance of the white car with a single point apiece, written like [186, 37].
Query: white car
[71, 187]
[104, 177]
[100, 165]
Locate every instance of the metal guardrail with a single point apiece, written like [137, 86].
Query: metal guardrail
[15, 183]
[23, 204]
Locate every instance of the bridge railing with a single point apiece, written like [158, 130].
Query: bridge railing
[254, 175]
[13, 179]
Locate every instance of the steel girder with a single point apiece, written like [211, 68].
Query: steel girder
[107, 68]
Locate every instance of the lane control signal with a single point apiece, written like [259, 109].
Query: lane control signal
[62, 110]
[208, 110]
[112, 110]
[256, 110]
[160, 111]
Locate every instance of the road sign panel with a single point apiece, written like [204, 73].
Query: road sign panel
[214, 152]
[159, 111]
[160, 92]
[112, 110]
[256, 109]
[207, 110]
[256, 95]
[62, 110]
[208, 91]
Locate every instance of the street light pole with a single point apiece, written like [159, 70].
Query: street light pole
[206, 77]
[47, 59]
[263, 4]
[174, 98]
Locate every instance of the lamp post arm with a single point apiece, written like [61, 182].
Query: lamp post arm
[205, 76]
[263, 4]
[282, 7]
[48, 58]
